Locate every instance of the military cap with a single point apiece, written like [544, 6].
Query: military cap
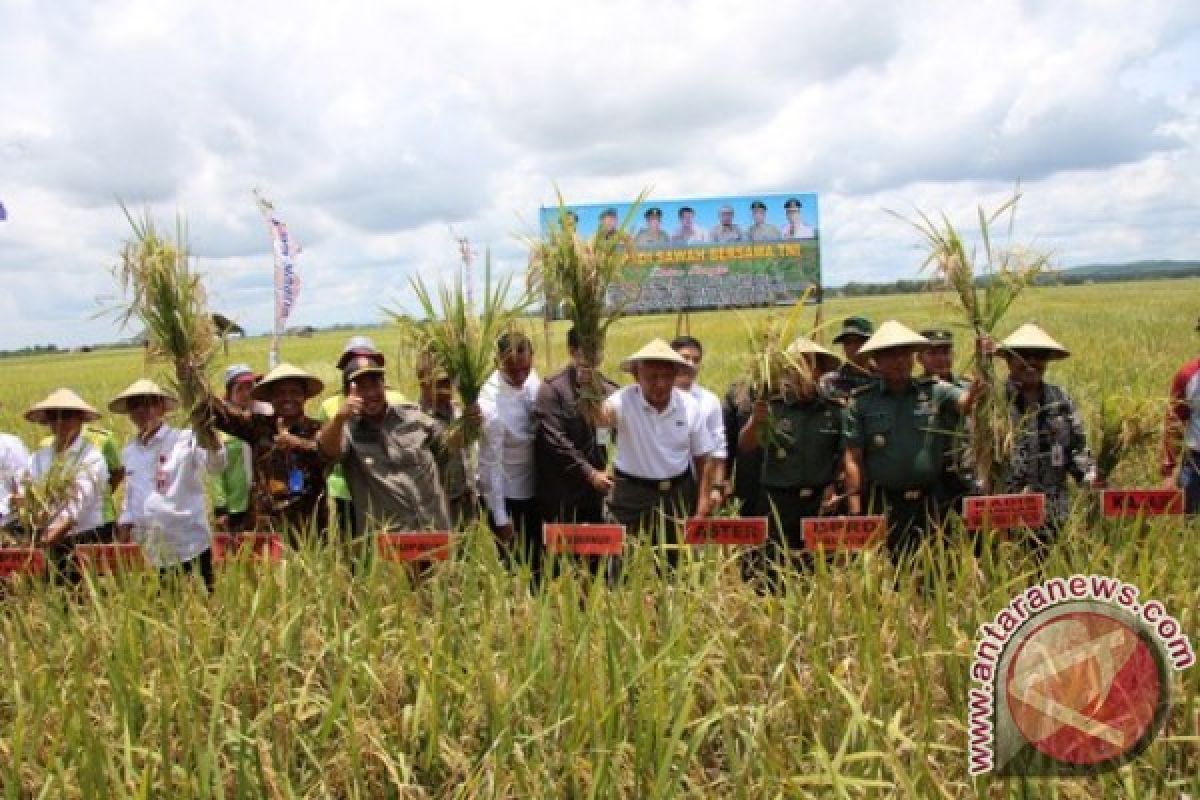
[939, 337]
[757, 204]
[686, 210]
[855, 326]
[608, 212]
[792, 203]
[654, 212]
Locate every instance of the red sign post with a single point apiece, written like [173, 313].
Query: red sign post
[109, 559]
[253, 546]
[21, 561]
[406, 546]
[843, 533]
[1123, 503]
[745, 532]
[1003, 512]
[584, 540]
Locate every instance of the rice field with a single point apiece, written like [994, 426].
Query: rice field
[303, 680]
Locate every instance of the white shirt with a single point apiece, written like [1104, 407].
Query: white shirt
[714, 419]
[657, 445]
[800, 230]
[166, 500]
[694, 236]
[14, 467]
[85, 505]
[506, 451]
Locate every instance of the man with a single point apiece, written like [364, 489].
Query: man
[72, 459]
[165, 509]
[761, 230]
[437, 400]
[506, 473]
[857, 371]
[335, 485]
[230, 488]
[726, 230]
[661, 439]
[392, 455]
[652, 235]
[799, 440]
[898, 437]
[688, 232]
[288, 493]
[14, 468]
[1181, 434]
[570, 454]
[796, 228]
[710, 411]
[957, 479]
[104, 441]
[608, 223]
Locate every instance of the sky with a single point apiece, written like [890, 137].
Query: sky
[384, 131]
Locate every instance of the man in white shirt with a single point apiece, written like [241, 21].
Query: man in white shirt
[506, 467]
[710, 411]
[71, 461]
[14, 468]
[796, 227]
[661, 438]
[688, 233]
[165, 509]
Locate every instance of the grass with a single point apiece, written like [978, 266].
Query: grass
[299, 681]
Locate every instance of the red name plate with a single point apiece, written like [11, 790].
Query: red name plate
[1003, 512]
[105, 559]
[745, 532]
[254, 546]
[414, 546]
[584, 540]
[1142, 502]
[843, 533]
[21, 561]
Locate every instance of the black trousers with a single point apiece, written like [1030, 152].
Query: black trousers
[912, 515]
[784, 509]
[527, 545]
[653, 514]
[60, 555]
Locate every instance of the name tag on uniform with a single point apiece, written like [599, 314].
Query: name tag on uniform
[1058, 457]
[604, 436]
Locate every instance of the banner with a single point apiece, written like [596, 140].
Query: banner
[287, 282]
[708, 253]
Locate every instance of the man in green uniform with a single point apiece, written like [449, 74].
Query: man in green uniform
[898, 437]
[957, 479]
[652, 235]
[761, 230]
[230, 488]
[856, 371]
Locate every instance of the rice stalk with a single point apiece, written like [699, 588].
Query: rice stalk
[1123, 426]
[43, 498]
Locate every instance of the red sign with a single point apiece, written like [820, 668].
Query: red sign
[21, 561]
[106, 559]
[745, 532]
[584, 540]
[414, 546]
[843, 533]
[252, 546]
[1003, 512]
[1142, 502]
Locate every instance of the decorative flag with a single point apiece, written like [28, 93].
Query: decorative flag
[3, 213]
[287, 281]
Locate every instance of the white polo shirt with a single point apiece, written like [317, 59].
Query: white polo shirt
[506, 452]
[85, 506]
[14, 467]
[714, 419]
[166, 498]
[653, 445]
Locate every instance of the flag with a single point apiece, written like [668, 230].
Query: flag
[287, 281]
[3, 213]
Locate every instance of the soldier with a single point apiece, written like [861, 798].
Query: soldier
[957, 480]
[799, 453]
[1050, 442]
[230, 488]
[726, 230]
[857, 371]
[761, 230]
[710, 410]
[796, 227]
[652, 235]
[1181, 434]
[898, 437]
[437, 400]
[688, 232]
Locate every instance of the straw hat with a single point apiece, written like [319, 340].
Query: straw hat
[142, 388]
[826, 359]
[286, 372]
[657, 350]
[60, 400]
[1031, 337]
[891, 335]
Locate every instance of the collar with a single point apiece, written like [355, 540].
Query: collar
[155, 437]
[672, 404]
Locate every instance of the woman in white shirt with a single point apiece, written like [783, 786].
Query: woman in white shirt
[166, 504]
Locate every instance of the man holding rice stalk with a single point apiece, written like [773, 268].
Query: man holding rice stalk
[957, 480]
[165, 507]
[437, 400]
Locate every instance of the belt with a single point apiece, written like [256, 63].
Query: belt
[907, 494]
[664, 485]
[799, 491]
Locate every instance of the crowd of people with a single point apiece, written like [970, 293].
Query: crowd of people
[856, 433]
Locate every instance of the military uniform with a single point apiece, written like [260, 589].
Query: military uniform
[763, 232]
[845, 381]
[335, 484]
[726, 233]
[646, 237]
[958, 472]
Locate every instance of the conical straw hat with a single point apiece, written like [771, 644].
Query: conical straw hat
[312, 384]
[60, 400]
[1031, 337]
[657, 350]
[893, 334]
[803, 346]
[142, 388]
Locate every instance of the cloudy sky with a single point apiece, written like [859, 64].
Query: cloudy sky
[384, 130]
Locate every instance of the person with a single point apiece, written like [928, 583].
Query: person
[692, 351]
[798, 439]
[608, 223]
[288, 493]
[744, 467]
[957, 479]
[726, 230]
[230, 488]
[1050, 444]
[165, 508]
[796, 228]
[688, 232]
[1181, 435]
[898, 434]
[570, 453]
[661, 438]
[436, 399]
[506, 474]
[857, 371]
[652, 235]
[70, 457]
[104, 441]
[335, 485]
[14, 468]
[761, 230]
[392, 455]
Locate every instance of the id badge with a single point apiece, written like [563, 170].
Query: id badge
[1058, 457]
[604, 436]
